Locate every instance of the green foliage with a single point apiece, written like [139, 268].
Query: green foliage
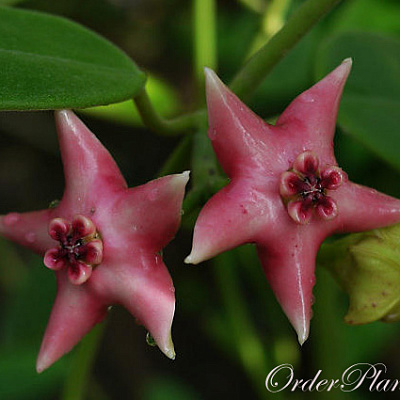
[367, 267]
[49, 62]
[369, 15]
[370, 108]
[29, 292]
[163, 97]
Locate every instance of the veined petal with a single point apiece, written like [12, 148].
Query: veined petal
[75, 312]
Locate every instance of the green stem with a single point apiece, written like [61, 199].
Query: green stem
[76, 384]
[258, 66]
[160, 125]
[326, 348]
[249, 346]
[178, 159]
[205, 43]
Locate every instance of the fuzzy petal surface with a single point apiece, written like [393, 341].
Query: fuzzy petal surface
[261, 204]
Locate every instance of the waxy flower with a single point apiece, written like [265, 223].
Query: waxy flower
[103, 241]
[286, 193]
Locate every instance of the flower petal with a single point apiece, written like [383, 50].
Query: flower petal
[75, 312]
[144, 287]
[230, 218]
[238, 136]
[28, 229]
[149, 215]
[82, 152]
[289, 269]
[362, 208]
[312, 115]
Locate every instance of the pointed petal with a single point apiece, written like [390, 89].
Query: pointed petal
[146, 290]
[75, 312]
[237, 134]
[289, 269]
[311, 117]
[28, 229]
[150, 214]
[82, 152]
[361, 208]
[230, 218]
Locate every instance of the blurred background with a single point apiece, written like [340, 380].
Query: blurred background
[229, 331]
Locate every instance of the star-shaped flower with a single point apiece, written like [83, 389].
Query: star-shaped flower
[103, 240]
[286, 193]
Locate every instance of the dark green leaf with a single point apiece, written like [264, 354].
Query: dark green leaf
[49, 62]
[370, 108]
[368, 15]
[19, 379]
[163, 97]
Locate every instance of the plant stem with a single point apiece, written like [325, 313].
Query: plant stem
[178, 159]
[160, 125]
[79, 375]
[205, 43]
[249, 346]
[258, 66]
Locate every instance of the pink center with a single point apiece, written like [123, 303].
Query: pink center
[79, 248]
[305, 188]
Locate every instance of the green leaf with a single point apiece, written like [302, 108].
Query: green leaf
[370, 108]
[368, 15]
[49, 62]
[282, 85]
[10, 2]
[19, 379]
[163, 96]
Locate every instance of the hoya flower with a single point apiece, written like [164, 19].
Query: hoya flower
[103, 241]
[286, 192]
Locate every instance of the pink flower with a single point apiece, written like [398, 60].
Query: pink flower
[103, 241]
[286, 193]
